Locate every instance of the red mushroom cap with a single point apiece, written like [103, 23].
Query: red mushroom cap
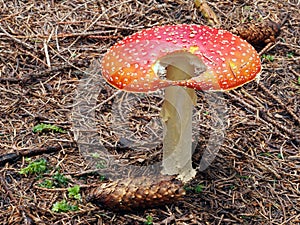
[230, 61]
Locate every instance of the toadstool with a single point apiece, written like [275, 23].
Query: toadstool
[180, 58]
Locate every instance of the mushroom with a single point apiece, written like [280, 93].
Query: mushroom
[180, 58]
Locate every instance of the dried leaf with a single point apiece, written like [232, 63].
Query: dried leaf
[207, 12]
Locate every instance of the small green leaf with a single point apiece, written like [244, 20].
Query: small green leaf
[299, 80]
[268, 57]
[149, 220]
[101, 164]
[290, 54]
[47, 184]
[102, 178]
[199, 188]
[206, 113]
[74, 192]
[42, 127]
[27, 159]
[60, 179]
[247, 7]
[244, 177]
[188, 188]
[95, 155]
[63, 206]
[267, 154]
[36, 167]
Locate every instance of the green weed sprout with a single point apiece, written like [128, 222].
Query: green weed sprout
[36, 167]
[270, 58]
[74, 192]
[60, 179]
[149, 220]
[42, 127]
[199, 188]
[63, 206]
[196, 189]
[47, 184]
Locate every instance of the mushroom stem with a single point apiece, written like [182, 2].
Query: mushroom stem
[176, 115]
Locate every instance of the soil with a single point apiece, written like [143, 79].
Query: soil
[49, 49]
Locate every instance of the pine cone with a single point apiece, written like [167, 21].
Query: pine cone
[258, 33]
[137, 193]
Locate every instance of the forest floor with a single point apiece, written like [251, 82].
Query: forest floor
[49, 50]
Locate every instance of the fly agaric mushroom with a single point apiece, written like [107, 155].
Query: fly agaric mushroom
[181, 58]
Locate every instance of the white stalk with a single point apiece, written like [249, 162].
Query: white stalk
[176, 116]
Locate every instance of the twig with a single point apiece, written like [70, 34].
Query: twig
[32, 77]
[32, 55]
[70, 35]
[266, 48]
[83, 186]
[11, 157]
[221, 219]
[99, 17]
[7, 190]
[263, 87]
[10, 80]
[251, 97]
[47, 54]
[17, 40]
[102, 37]
[241, 151]
[263, 114]
[167, 220]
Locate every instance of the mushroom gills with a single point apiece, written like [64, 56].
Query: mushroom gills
[189, 64]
